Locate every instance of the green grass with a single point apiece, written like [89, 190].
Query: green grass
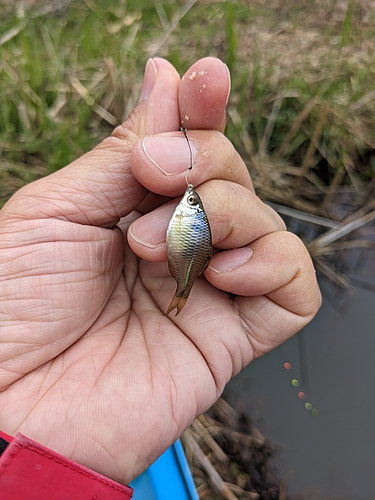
[71, 70]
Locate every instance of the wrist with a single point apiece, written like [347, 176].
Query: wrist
[30, 470]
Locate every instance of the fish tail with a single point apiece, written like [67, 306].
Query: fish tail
[177, 303]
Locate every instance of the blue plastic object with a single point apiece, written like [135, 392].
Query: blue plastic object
[169, 478]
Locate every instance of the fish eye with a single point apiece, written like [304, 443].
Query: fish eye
[192, 199]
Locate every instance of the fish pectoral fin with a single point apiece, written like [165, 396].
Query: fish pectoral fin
[177, 303]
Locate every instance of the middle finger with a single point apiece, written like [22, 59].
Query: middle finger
[236, 215]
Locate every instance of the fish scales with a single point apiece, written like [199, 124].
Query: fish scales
[189, 246]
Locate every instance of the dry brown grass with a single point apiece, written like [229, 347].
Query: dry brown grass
[229, 457]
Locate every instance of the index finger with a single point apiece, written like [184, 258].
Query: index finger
[203, 95]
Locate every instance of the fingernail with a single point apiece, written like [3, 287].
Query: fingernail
[229, 84]
[150, 230]
[171, 155]
[149, 80]
[228, 261]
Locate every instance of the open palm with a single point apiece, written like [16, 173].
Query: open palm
[90, 365]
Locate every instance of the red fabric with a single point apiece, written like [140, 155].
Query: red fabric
[30, 471]
[6, 436]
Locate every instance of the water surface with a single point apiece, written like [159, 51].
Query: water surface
[331, 456]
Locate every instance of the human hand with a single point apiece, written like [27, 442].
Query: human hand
[90, 365]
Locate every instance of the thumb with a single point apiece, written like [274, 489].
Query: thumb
[158, 108]
[99, 188]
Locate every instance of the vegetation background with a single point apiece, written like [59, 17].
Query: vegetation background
[303, 78]
[301, 111]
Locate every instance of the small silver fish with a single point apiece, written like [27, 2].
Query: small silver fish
[189, 246]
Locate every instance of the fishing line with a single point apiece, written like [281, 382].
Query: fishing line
[184, 130]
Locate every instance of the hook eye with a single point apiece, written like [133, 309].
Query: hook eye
[184, 130]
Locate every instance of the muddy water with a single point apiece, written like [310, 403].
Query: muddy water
[332, 455]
